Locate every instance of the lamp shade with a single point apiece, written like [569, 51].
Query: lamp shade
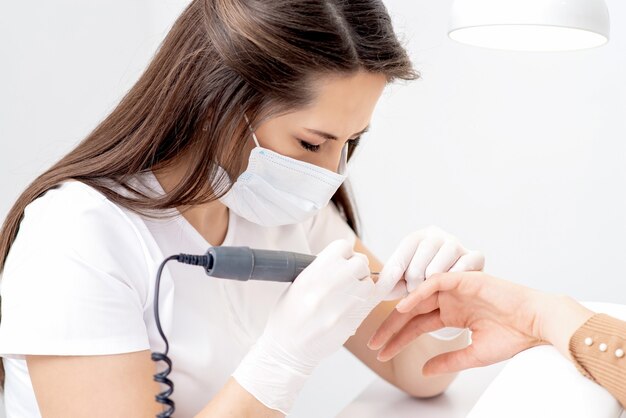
[530, 25]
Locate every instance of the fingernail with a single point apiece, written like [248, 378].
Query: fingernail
[372, 344]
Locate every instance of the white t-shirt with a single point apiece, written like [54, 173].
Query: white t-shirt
[79, 280]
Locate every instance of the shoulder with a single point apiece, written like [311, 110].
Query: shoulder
[76, 222]
[66, 201]
[75, 209]
[77, 279]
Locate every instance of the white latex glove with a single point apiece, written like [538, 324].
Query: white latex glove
[424, 253]
[313, 318]
[420, 255]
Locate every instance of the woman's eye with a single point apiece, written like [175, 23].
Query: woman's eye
[314, 148]
[309, 147]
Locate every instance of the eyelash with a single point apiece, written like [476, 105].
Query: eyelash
[314, 148]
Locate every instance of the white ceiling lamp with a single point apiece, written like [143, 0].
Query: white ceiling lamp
[530, 25]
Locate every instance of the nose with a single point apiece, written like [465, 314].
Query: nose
[334, 163]
[342, 160]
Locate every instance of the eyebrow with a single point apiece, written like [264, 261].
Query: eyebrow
[326, 135]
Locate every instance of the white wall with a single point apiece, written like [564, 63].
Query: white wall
[64, 64]
[519, 154]
[522, 155]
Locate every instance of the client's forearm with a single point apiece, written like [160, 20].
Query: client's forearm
[559, 317]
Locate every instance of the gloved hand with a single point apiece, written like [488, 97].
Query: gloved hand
[313, 318]
[424, 253]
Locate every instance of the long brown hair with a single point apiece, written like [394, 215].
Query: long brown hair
[220, 59]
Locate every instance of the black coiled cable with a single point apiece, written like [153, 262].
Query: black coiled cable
[161, 377]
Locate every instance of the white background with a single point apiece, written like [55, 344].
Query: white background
[521, 155]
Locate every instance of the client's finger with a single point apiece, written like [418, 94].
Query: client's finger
[436, 283]
[396, 321]
[417, 326]
[452, 361]
[472, 261]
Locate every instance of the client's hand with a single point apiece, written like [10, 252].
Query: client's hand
[505, 318]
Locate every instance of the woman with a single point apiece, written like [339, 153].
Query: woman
[506, 318]
[238, 133]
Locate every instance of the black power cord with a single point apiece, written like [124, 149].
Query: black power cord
[161, 377]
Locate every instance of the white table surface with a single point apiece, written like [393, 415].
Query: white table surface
[381, 399]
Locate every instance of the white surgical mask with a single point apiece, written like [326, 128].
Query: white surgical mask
[278, 190]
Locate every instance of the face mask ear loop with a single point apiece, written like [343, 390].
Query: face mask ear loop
[256, 141]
